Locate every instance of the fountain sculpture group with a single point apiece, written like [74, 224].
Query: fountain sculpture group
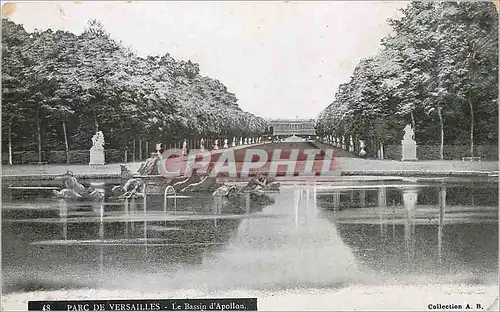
[409, 146]
[74, 190]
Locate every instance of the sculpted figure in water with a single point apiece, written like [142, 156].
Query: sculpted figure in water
[75, 190]
[133, 188]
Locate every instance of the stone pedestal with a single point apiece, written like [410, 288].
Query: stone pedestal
[96, 156]
[409, 150]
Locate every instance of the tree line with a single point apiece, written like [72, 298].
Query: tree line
[59, 88]
[437, 70]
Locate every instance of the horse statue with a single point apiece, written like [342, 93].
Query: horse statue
[74, 190]
[150, 166]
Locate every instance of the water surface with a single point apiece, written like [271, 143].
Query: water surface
[328, 236]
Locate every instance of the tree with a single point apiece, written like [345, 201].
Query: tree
[433, 69]
[88, 82]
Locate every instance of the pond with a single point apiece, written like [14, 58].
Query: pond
[327, 235]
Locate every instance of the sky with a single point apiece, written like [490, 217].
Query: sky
[281, 59]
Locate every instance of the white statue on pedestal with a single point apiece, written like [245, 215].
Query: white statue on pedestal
[410, 198]
[343, 142]
[202, 145]
[409, 146]
[225, 144]
[234, 142]
[216, 145]
[98, 141]
[184, 148]
[97, 149]
[351, 144]
[241, 141]
[246, 141]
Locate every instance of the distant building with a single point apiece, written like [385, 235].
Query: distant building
[288, 127]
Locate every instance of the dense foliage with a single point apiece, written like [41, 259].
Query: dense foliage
[57, 82]
[438, 70]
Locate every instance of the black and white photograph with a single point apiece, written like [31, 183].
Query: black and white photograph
[249, 155]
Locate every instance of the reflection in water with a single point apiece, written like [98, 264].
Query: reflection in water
[420, 242]
[410, 196]
[296, 250]
[96, 251]
[272, 246]
[100, 188]
[382, 206]
[310, 237]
